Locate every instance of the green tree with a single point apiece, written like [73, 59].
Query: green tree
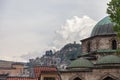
[113, 11]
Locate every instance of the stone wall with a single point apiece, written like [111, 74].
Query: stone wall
[100, 42]
[96, 74]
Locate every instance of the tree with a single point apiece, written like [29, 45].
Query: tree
[113, 11]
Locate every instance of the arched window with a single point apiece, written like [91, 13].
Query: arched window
[88, 47]
[114, 44]
[108, 78]
[77, 78]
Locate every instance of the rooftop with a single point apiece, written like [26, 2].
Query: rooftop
[103, 27]
[81, 63]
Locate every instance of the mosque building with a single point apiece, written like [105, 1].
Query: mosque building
[99, 59]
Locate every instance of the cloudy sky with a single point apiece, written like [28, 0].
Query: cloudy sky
[29, 27]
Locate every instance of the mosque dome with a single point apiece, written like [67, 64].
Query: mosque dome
[103, 27]
[81, 63]
[110, 59]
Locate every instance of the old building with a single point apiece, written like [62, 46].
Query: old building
[98, 60]
[46, 73]
[40, 73]
[13, 69]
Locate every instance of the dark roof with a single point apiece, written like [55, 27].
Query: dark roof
[6, 68]
[4, 74]
[103, 27]
[17, 63]
[100, 36]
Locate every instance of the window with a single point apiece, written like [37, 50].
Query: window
[88, 46]
[114, 44]
[49, 78]
[108, 78]
[77, 78]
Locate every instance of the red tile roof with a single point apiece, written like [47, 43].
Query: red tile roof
[21, 78]
[38, 70]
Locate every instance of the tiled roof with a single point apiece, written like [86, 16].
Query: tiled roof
[38, 70]
[81, 63]
[21, 78]
[83, 54]
[99, 51]
[105, 51]
[110, 59]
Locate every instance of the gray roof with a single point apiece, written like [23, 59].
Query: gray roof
[103, 27]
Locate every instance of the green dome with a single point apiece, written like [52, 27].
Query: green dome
[103, 27]
[81, 63]
[110, 59]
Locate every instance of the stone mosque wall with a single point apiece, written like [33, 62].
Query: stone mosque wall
[96, 74]
[98, 43]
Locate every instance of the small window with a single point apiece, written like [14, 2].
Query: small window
[108, 78]
[77, 78]
[114, 44]
[88, 47]
[49, 78]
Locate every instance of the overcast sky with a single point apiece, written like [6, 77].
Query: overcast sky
[29, 27]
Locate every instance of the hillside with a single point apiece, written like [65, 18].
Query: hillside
[60, 58]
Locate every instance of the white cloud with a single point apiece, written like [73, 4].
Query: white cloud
[74, 29]
[27, 26]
